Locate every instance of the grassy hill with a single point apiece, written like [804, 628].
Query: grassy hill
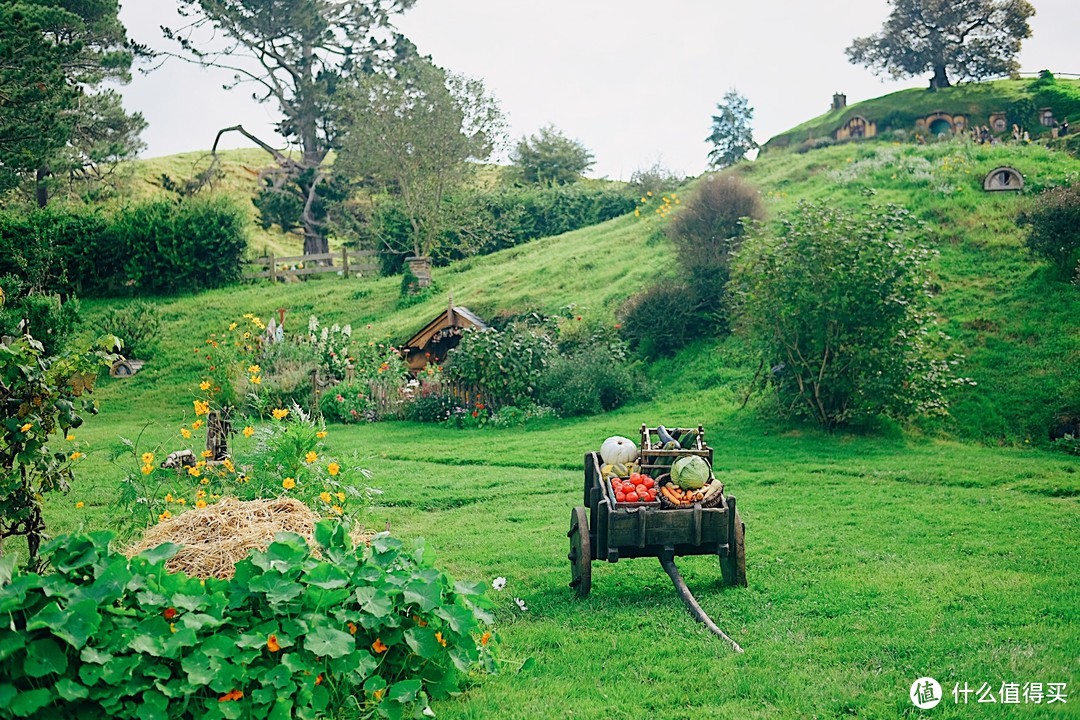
[898, 111]
[873, 559]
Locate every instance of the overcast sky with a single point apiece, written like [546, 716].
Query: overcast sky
[636, 82]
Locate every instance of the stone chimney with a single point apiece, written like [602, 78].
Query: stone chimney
[839, 101]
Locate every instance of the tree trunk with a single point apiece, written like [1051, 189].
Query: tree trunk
[940, 79]
[41, 188]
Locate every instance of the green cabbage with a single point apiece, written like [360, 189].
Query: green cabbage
[690, 472]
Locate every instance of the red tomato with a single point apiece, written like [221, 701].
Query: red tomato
[648, 482]
[640, 489]
[635, 478]
[620, 497]
[631, 497]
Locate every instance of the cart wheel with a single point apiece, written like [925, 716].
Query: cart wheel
[733, 567]
[580, 556]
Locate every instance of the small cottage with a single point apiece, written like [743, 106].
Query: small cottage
[439, 336]
[856, 128]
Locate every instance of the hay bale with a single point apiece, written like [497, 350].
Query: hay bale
[214, 538]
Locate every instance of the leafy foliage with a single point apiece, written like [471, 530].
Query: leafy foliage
[377, 631]
[659, 320]
[297, 56]
[419, 135]
[732, 137]
[550, 158]
[137, 324]
[835, 302]
[46, 316]
[1053, 223]
[976, 39]
[504, 365]
[707, 232]
[41, 395]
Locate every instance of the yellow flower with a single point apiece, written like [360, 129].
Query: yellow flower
[255, 380]
[311, 457]
[288, 483]
[249, 431]
[340, 496]
[201, 407]
[201, 494]
[200, 503]
[26, 427]
[227, 464]
[326, 497]
[279, 414]
[440, 638]
[76, 455]
[147, 469]
[185, 433]
[321, 434]
[333, 468]
[69, 437]
[247, 335]
[194, 471]
[169, 498]
[196, 425]
[254, 369]
[337, 509]
[181, 501]
[147, 458]
[204, 481]
[206, 453]
[79, 505]
[204, 385]
[232, 326]
[164, 516]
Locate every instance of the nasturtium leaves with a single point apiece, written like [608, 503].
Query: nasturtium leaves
[328, 642]
[161, 553]
[44, 657]
[29, 702]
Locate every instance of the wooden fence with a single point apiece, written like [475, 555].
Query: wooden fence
[348, 262]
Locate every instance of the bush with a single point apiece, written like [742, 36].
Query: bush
[372, 631]
[1053, 222]
[660, 320]
[137, 324]
[835, 303]
[503, 365]
[706, 232]
[50, 320]
[349, 402]
[587, 383]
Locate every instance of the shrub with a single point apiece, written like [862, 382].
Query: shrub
[550, 158]
[706, 232]
[430, 408]
[137, 325]
[371, 631]
[660, 320]
[1053, 222]
[586, 383]
[504, 365]
[42, 396]
[44, 316]
[834, 301]
[349, 402]
[510, 416]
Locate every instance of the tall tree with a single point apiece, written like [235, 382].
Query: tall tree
[418, 134]
[57, 53]
[974, 39]
[551, 158]
[296, 54]
[732, 137]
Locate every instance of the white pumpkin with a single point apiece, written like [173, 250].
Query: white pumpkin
[618, 449]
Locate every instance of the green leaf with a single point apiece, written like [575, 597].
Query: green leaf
[423, 593]
[327, 642]
[70, 690]
[27, 703]
[74, 625]
[10, 643]
[282, 710]
[161, 553]
[7, 694]
[153, 706]
[199, 621]
[190, 603]
[422, 641]
[110, 583]
[43, 657]
[198, 669]
[374, 601]
[93, 655]
[326, 576]
[286, 553]
[404, 691]
[461, 620]
[7, 569]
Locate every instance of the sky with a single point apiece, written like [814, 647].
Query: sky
[636, 82]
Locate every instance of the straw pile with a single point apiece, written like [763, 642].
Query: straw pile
[218, 536]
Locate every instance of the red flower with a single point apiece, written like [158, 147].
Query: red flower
[169, 613]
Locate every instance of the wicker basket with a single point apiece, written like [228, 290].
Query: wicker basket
[716, 500]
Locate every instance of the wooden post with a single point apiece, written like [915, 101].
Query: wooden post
[345, 262]
[273, 270]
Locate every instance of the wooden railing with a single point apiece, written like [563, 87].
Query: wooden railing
[348, 262]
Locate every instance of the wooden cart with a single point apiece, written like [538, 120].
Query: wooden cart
[605, 530]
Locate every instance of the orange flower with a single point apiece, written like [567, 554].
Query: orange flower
[321, 434]
[272, 644]
[231, 695]
[484, 638]
[318, 680]
[288, 483]
[440, 638]
[311, 457]
[279, 413]
[418, 621]
[249, 431]
[80, 505]
[378, 646]
[196, 425]
[333, 468]
[169, 613]
[352, 628]
[378, 694]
